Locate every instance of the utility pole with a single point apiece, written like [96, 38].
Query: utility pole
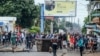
[42, 18]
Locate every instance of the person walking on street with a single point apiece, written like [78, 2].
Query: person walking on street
[81, 45]
[94, 43]
[4, 38]
[64, 41]
[28, 41]
[13, 41]
[72, 40]
[54, 45]
[60, 41]
[22, 37]
[9, 36]
[86, 39]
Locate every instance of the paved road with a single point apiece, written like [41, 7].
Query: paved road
[25, 54]
[29, 54]
[59, 53]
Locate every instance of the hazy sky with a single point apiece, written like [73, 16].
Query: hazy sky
[81, 11]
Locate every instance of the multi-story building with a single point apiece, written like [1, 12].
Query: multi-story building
[94, 16]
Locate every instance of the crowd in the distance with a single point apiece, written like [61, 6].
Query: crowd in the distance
[66, 40]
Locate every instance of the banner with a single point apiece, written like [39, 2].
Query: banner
[60, 8]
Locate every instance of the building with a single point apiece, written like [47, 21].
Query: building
[7, 23]
[94, 18]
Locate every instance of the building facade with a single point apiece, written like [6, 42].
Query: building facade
[94, 16]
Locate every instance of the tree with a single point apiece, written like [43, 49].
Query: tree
[47, 25]
[55, 25]
[34, 29]
[24, 10]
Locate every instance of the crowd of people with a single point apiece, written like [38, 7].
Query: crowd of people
[75, 41]
[68, 41]
[71, 40]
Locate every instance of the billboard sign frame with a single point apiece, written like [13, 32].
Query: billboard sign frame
[58, 11]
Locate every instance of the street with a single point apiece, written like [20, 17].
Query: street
[33, 54]
[59, 53]
[24, 54]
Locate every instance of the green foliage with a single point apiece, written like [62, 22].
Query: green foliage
[34, 29]
[84, 30]
[47, 26]
[24, 10]
[86, 20]
[55, 27]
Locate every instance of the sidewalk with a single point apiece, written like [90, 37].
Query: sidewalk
[19, 48]
[9, 48]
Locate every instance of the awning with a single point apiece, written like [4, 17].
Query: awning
[96, 31]
[91, 26]
[96, 14]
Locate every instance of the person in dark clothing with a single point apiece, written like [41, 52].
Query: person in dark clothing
[33, 39]
[94, 43]
[4, 39]
[28, 41]
[64, 40]
[54, 45]
[9, 36]
[64, 37]
[86, 39]
[60, 41]
[44, 36]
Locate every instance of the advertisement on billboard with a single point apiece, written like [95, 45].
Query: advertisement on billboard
[60, 8]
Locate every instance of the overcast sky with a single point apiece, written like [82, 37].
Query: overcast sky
[81, 11]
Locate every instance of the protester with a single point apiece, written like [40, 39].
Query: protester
[81, 45]
[94, 43]
[22, 37]
[54, 45]
[13, 41]
[86, 39]
[64, 41]
[71, 42]
[19, 38]
[68, 40]
[4, 38]
[60, 41]
[9, 35]
[28, 41]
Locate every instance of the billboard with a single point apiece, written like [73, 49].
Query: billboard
[59, 8]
